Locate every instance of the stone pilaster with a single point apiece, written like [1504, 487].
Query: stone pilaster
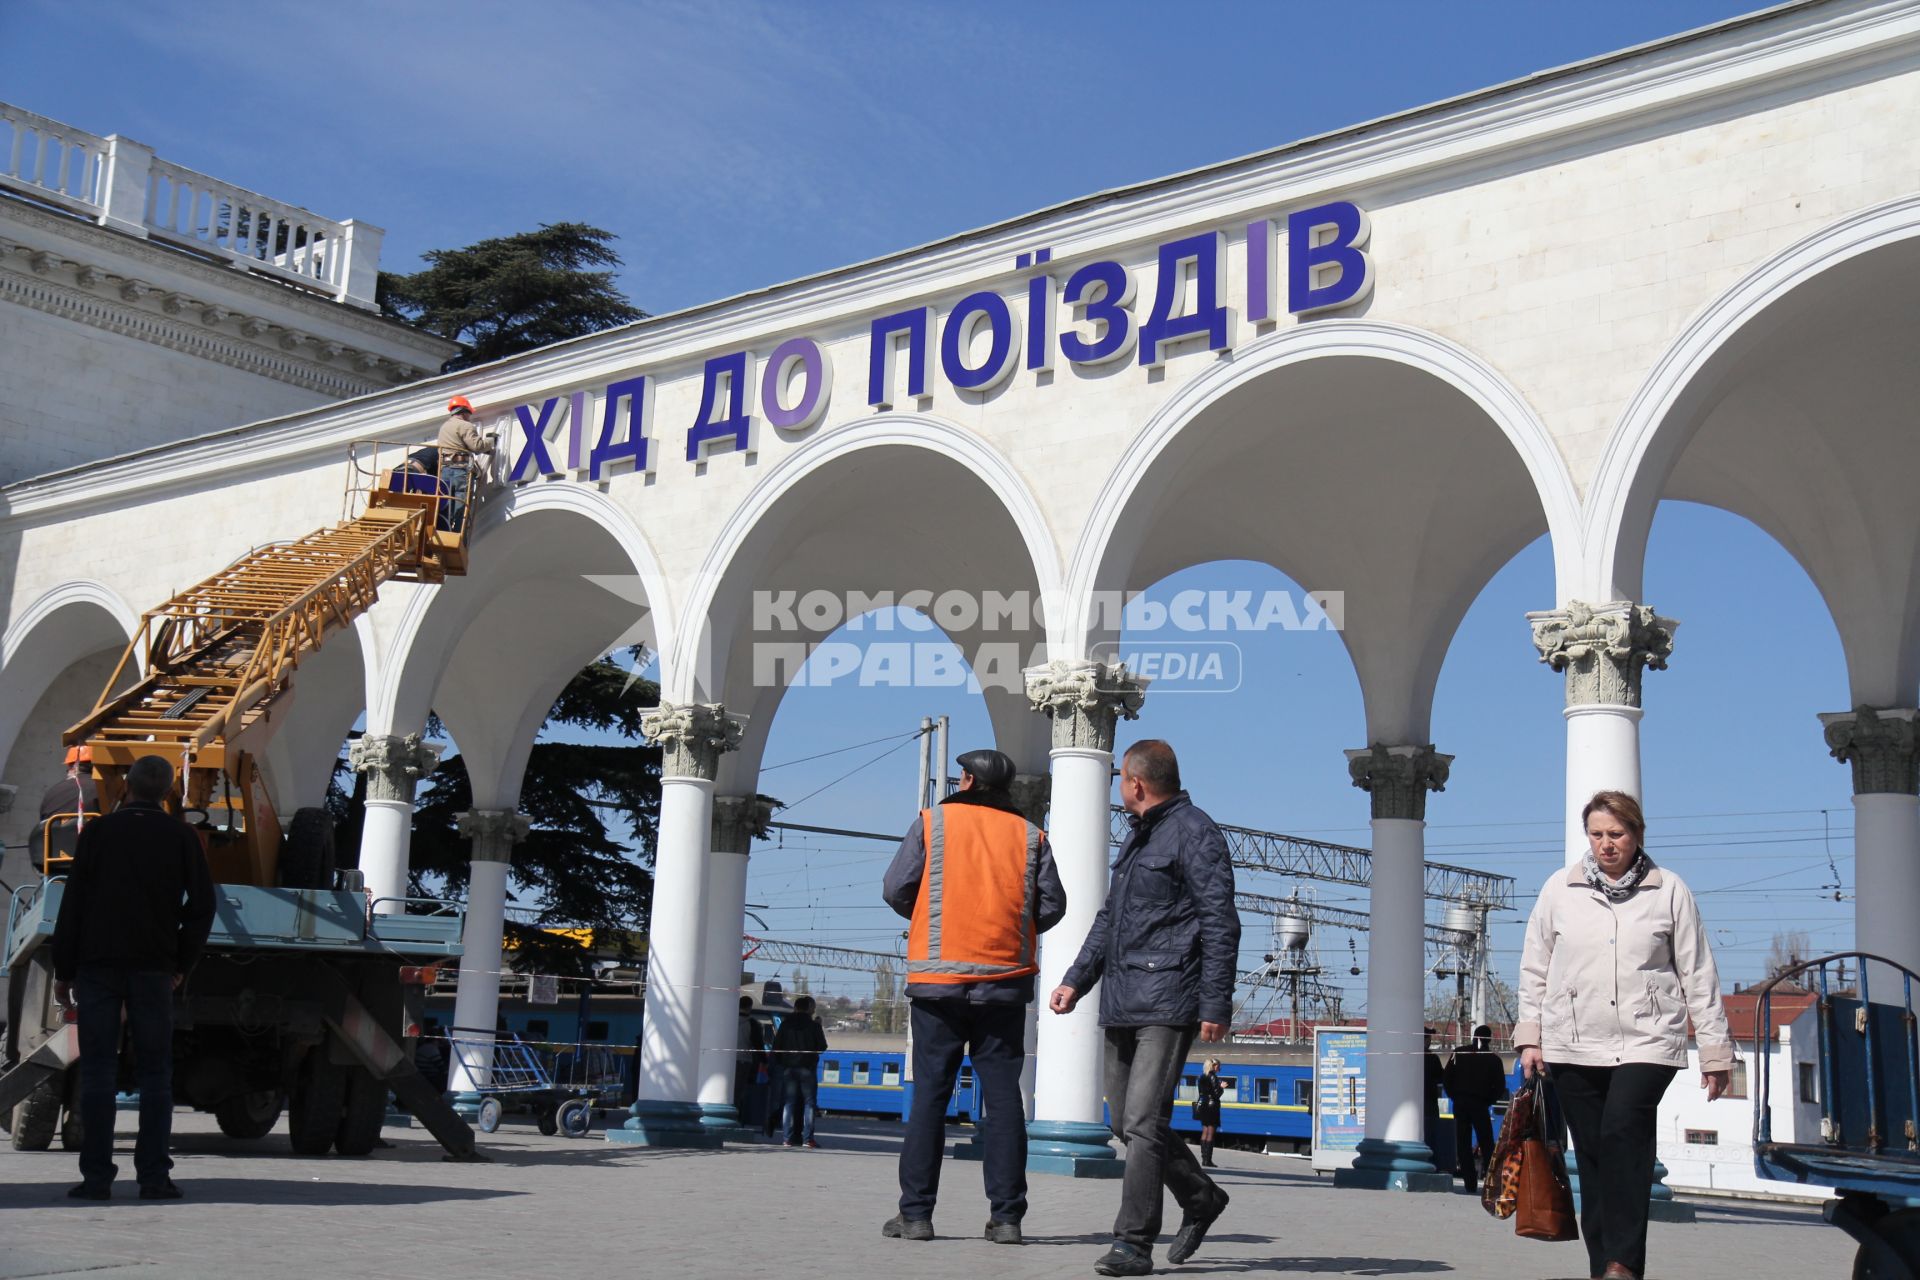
[740, 820]
[1879, 743]
[1085, 700]
[1398, 778]
[1603, 648]
[494, 832]
[1031, 791]
[394, 764]
[694, 736]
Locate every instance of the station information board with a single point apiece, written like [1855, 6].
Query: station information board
[1339, 1094]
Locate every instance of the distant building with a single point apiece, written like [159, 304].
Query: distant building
[1708, 1146]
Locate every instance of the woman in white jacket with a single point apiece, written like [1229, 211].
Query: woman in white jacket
[1616, 962]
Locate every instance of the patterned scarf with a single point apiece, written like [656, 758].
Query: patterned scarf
[1616, 890]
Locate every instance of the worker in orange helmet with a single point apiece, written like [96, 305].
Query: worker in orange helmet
[458, 442]
[65, 807]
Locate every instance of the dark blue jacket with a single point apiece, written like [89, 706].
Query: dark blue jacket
[1166, 944]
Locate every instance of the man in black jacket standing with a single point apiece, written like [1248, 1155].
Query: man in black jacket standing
[1475, 1079]
[137, 908]
[1166, 943]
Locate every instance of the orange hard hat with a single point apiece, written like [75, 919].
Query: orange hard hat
[81, 754]
[459, 402]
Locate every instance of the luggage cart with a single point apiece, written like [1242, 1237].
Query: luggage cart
[1869, 1093]
[560, 1090]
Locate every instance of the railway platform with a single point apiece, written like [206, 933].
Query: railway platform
[550, 1206]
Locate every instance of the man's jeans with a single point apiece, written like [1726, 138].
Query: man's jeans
[147, 996]
[942, 1031]
[803, 1089]
[455, 478]
[1143, 1068]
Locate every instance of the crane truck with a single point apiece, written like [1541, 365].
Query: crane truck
[306, 998]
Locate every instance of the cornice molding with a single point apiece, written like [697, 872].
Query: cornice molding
[139, 313]
[119, 248]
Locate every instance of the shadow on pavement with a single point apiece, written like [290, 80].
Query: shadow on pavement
[252, 1191]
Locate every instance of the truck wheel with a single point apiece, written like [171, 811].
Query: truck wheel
[37, 1118]
[306, 856]
[249, 1115]
[316, 1104]
[547, 1121]
[366, 1111]
[1899, 1231]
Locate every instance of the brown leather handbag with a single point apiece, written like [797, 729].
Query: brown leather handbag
[1545, 1199]
[1500, 1189]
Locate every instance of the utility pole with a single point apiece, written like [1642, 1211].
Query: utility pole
[926, 739]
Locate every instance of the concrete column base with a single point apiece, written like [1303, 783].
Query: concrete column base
[1661, 1206]
[722, 1118]
[652, 1123]
[1069, 1148]
[466, 1105]
[1382, 1164]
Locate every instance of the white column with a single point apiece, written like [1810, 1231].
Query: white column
[1603, 649]
[1084, 700]
[737, 820]
[476, 1005]
[1880, 745]
[1395, 1153]
[1031, 794]
[694, 737]
[394, 766]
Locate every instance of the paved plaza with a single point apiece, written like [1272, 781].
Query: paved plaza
[549, 1206]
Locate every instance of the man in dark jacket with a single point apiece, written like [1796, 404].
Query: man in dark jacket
[797, 1047]
[1164, 947]
[1476, 1079]
[136, 910]
[979, 883]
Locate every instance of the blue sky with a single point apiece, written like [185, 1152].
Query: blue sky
[733, 147]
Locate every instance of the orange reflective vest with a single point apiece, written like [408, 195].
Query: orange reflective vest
[974, 918]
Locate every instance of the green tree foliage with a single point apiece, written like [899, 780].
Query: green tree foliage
[513, 293]
[571, 867]
[887, 1015]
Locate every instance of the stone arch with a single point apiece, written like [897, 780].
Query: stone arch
[1402, 367]
[969, 489]
[1808, 463]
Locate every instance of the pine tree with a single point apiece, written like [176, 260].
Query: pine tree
[513, 293]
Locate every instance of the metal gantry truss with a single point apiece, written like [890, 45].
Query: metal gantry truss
[779, 951]
[1305, 859]
[1339, 917]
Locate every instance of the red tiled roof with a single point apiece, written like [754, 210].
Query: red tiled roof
[1743, 1012]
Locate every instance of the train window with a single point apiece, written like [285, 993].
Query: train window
[890, 1075]
[1188, 1090]
[829, 1069]
[862, 1073]
[596, 1031]
[1303, 1092]
[536, 1028]
[1229, 1088]
[1263, 1091]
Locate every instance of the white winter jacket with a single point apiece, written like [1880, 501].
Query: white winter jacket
[1604, 983]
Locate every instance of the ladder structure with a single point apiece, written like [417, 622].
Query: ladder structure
[210, 667]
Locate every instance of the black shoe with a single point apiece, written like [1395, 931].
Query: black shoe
[899, 1228]
[1125, 1260]
[91, 1191]
[161, 1190]
[1001, 1232]
[1193, 1230]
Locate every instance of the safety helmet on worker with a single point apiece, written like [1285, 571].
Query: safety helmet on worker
[82, 754]
[459, 404]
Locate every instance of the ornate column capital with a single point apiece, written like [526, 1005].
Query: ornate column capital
[740, 820]
[694, 735]
[1879, 742]
[1085, 700]
[1031, 793]
[494, 832]
[393, 764]
[1603, 648]
[1398, 778]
